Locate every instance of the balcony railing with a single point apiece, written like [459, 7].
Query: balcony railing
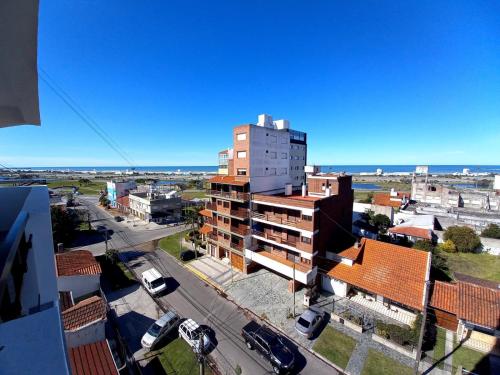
[229, 194]
[298, 223]
[211, 206]
[241, 230]
[241, 213]
[277, 239]
[299, 266]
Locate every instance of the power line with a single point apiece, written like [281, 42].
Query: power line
[78, 110]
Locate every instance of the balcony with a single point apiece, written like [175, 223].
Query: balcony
[242, 230]
[211, 206]
[282, 266]
[295, 223]
[271, 237]
[226, 242]
[241, 213]
[231, 195]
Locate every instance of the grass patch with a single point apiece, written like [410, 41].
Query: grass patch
[191, 194]
[178, 358]
[377, 363]
[92, 188]
[116, 274]
[439, 346]
[361, 195]
[335, 346]
[471, 360]
[172, 244]
[484, 266]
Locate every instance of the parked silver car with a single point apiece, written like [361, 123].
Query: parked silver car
[161, 328]
[308, 322]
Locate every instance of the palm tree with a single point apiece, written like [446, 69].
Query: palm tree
[193, 219]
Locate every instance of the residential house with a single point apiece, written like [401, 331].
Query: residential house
[415, 228]
[471, 308]
[384, 277]
[119, 189]
[94, 358]
[392, 199]
[155, 206]
[262, 213]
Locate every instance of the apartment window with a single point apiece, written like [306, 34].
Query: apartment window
[272, 155]
[296, 157]
[219, 202]
[284, 140]
[273, 139]
[241, 136]
[284, 155]
[242, 154]
[307, 217]
[226, 220]
[219, 218]
[241, 172]
[283, 171]
[272, 171]
[305, 239]
[226, 204]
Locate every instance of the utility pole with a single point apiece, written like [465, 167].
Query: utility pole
[294, 288]
[422, 328]
[201, 355]
[106, 238]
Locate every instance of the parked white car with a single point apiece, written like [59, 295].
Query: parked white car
[191, 332]
[159, 329]
[153, 281]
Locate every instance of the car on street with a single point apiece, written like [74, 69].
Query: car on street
[118, 219]
[308, 322]
[160, 329]
[192, 333]
[187, 255]
[270, 345]
[153, 281]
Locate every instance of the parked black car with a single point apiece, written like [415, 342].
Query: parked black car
[118, 218]
[270, 345]
[187, 255]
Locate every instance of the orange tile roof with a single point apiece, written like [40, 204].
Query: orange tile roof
[479, 304]
[95, 359]
[351, 253]
[229, 180]
[206, 213]
[395, 272]
[85, 312]
[78, 262]
[412, 231]
[205, 229]
[65, 300]
[444, 297]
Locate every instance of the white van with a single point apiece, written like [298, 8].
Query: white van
[153, 281]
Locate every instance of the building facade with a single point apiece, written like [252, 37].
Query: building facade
[119, 189]
[263, 212]
[155, 206]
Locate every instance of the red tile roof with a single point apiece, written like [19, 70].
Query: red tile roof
[83, 313]
[395, 272]
[229, 180]
[78, 262]
[471, 299]
[206, 213]
[412, 231]
[444, 297]
[385, 199]
[351, 253]
[65, 300]
[92, 359]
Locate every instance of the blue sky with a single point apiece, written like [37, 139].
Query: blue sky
[371, 82]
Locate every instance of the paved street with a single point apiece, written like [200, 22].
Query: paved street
[123, 234]
[194, 299]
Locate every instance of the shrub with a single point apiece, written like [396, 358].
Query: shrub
[423, 245]
[347, 315]
[404, 336]
[448, 246]
[464, 238]
[491, 231]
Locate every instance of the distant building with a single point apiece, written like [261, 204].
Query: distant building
[118, 189]
[154, 206]
[392, 199]
[496, 183]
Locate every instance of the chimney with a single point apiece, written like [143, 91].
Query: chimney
[304, 190]
[356, 244]
[328, 191]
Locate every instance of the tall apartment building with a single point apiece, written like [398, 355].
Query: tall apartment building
[265, 213]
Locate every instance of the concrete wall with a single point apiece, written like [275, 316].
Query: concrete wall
[86, 335]
[78, 285]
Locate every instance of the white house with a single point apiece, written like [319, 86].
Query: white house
[78, 272]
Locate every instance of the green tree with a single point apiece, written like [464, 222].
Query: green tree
[382, 222]
[193, 219]
[491, 231]
[64, 224]
[448, 246]
[112, 256]
[464, 238]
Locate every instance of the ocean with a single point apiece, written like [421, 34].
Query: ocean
[351, 169]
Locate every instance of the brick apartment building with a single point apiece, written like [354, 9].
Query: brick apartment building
[265, 212]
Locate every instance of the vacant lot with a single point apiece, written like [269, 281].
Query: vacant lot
[178, 358]
[91, 188]
[335, 346]
[377, 363]
[485, 266]
[172, 244]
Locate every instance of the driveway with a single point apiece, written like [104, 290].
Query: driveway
[192, 298]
